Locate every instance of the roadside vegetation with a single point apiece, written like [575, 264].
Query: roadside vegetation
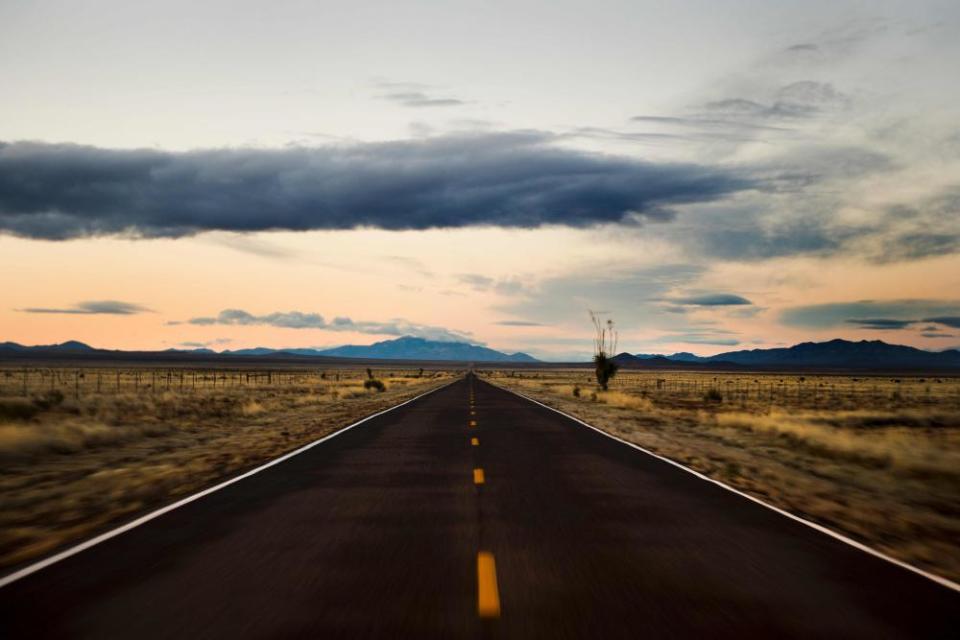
[81, 449]
[877, 458]
[604, 350]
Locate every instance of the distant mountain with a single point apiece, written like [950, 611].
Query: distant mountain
[410, 348]
[685, 356]
[864, 354]
[68, 346]
[267, 351]
[681, 356]
[200, 350]
[405, 348]
[844, 353]
[256, 351]
[649, 361]
[836, 354]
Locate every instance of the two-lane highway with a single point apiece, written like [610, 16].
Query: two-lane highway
[472, 512]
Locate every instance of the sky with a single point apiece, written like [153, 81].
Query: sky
[712, 175]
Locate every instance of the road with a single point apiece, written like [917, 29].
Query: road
[472, 512]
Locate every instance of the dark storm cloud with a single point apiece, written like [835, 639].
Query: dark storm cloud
[711, 300]
[302, 320]
[61, 191]
[93, 307]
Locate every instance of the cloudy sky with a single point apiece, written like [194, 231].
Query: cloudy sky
[715, 175]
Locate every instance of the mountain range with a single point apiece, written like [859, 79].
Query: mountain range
[405, 348]
[864, 354]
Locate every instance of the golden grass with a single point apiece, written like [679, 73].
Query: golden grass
[875, 457]
[898, 445]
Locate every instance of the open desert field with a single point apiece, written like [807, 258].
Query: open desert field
[877, 458]
[83, 448]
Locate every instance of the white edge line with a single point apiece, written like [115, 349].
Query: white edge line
[945, 582]
[103, 537]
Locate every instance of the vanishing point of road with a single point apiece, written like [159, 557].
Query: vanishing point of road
[472, 512]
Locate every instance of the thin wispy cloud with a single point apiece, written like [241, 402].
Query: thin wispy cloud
[308, 320]
[874, 314]
[502, 286]
[520, 323]
[421, 99]
[93, 307]
[205, 344]
[881, 324]
[711, 300]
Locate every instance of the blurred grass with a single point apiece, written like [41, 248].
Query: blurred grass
[72, 465]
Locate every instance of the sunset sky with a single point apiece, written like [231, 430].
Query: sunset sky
[714, 175]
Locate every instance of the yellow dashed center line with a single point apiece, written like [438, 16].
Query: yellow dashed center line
[478, 476]
[488, 596]
[473, 423]
[475, 442]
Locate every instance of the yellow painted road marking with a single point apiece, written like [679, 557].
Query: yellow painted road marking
[473, 413]
[478, 476]
[488, 596]
[475, 442]
[473, 423]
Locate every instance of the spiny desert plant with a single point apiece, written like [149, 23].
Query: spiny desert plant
[604, 346]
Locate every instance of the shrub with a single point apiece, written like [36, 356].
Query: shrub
[17, 409]
[373, 383]
[576, 391]
[49, 400]
[713, 395]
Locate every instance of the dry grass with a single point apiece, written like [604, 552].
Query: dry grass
[897, 445]
[71, 465]
[876, 458]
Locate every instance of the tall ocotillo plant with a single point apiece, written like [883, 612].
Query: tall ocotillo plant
[604, 348]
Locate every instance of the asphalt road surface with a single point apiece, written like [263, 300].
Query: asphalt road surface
[474, 513]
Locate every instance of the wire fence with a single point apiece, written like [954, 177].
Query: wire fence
[82, 382]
